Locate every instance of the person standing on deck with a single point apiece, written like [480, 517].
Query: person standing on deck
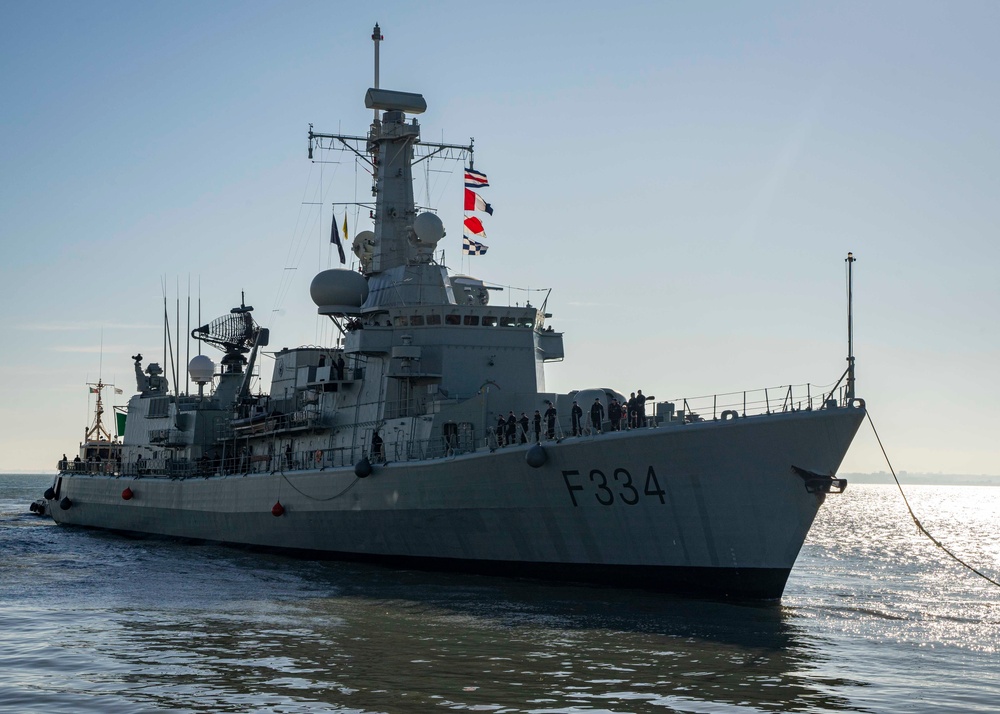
[597, 415]
[615, 414]
[378, 447]
[550, 422]
[577, 414]
[538, 427]
[523, 421]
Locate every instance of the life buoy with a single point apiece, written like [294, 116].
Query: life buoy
[729, 414]
[319, 455]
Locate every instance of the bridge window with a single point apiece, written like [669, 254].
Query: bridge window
[472, 319]
[489, 321]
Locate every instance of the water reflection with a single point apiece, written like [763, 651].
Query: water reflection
[290, 635]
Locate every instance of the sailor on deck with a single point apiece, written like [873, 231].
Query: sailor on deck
[550, 422]
[597, 415]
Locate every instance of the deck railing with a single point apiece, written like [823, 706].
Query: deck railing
[769, 400]
[235, 458]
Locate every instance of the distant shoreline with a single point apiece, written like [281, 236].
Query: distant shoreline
[921, 479]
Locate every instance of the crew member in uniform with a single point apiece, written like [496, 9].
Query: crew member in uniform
[378, 448]
[524, 427]
[615, 414]
[550, 422]
[538, 426]
[511, 429]
[597, 415]
[577, 414]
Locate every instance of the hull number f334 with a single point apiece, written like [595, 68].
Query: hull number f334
[619, 487]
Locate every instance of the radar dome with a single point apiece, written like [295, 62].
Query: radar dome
[428, 227]
[339, 292]
[363, 243]
[201, 368]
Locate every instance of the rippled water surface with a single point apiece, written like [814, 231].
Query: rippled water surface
[875, 618]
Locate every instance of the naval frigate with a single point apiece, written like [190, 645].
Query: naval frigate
[425, 437]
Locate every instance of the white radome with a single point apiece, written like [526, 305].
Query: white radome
[201, 368]
[428, 227]
[364, 244]
[339, 291]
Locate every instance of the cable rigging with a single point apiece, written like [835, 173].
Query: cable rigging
[916, 520]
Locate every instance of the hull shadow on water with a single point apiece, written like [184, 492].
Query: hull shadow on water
[210, 628]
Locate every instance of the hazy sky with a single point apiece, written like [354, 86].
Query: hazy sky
[687, 177]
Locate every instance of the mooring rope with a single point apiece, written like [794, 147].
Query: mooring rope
[916, 520]
[314, 498]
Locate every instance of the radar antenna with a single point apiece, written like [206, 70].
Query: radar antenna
[235, 333]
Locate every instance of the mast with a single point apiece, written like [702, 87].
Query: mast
[97, 432]
[399, 259]
[376, 38]
[850, 327]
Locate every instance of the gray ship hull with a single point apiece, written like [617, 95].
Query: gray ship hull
[712, 508]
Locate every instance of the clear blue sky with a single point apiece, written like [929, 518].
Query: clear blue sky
[687, 177]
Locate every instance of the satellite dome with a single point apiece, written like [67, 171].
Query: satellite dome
[428, 227]
[201, 368]
[363, 243]
[339, 292]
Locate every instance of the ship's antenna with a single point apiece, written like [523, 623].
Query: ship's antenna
[177, 330]
[850, 327]
[187, 357]
[166, 320]
[376, 38]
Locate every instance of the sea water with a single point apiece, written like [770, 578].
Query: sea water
[875, 618]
